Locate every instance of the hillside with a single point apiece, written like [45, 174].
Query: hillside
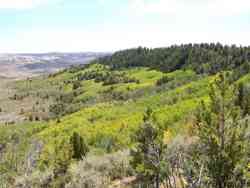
[24, 66]
[105, 103]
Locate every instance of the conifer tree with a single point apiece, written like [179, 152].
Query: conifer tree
[148, 154]
[243, 99]
[80, 148]
[222, 135]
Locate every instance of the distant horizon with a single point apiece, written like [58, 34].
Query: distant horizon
[110, 52]
[52, 52]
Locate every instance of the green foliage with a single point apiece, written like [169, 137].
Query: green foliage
[16, 142]
[80, 148]
[243, 100]
[202, 58]
[76, 85]
[104, 103]
[222, 136]
[147, 156]
[163, 80]
[62, 158]
[57, 109]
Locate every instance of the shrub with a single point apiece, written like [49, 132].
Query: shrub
[76, 85]
[99, 171]
[163, 80]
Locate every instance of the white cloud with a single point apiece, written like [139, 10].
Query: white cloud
[191, 7]
[23, 4]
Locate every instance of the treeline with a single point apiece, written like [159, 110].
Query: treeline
[107, 77]
[203, 58]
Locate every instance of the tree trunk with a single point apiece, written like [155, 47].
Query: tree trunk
[157, 185]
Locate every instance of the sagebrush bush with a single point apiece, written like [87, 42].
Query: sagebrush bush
[99, 171]
[35, 180]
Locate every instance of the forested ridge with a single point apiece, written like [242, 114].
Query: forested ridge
[202, 58]
[175, 117]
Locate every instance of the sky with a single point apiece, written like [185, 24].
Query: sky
[38, 26]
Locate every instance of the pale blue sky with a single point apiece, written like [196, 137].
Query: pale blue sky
[109, 25]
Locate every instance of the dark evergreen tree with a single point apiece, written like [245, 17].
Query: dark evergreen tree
[80, 148]
[202, 58]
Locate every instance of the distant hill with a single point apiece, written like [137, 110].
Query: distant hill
[24, 65]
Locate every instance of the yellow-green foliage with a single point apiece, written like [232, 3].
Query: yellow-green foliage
[108, 125]
[244, 79]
